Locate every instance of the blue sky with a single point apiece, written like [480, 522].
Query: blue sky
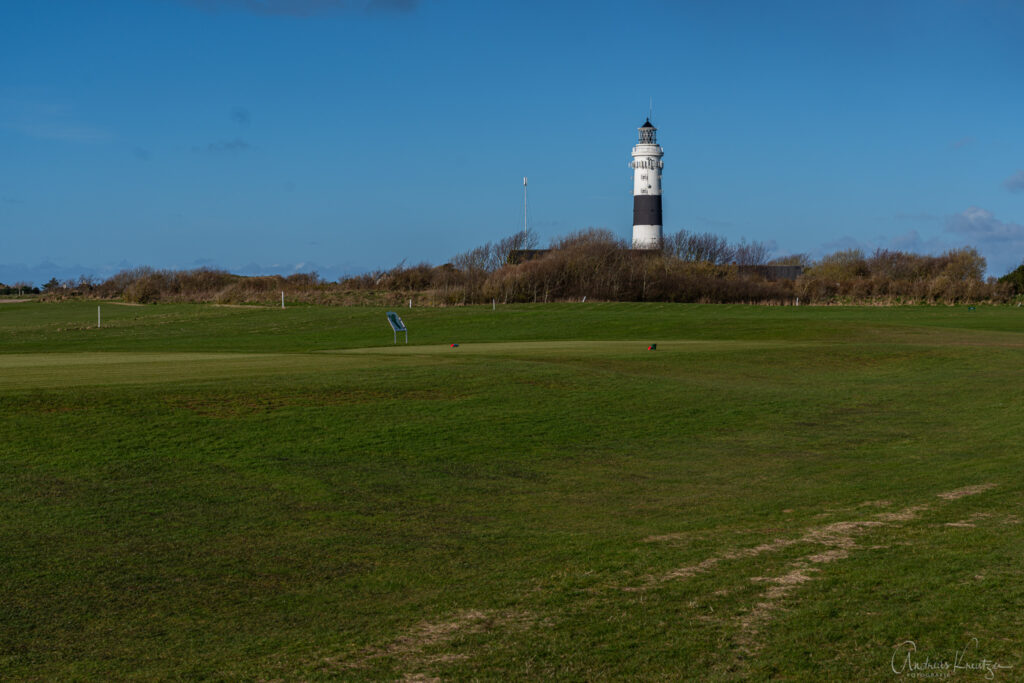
[347, 135]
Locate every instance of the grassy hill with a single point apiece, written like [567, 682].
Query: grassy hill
[242, 492]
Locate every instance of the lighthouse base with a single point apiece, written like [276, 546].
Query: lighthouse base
[647, 237]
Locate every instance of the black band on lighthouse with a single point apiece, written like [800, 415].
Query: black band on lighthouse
[646, 209]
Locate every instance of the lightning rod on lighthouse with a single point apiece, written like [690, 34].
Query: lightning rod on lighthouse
[647, 167]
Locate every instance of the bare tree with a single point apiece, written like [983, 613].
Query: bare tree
[701, 247]
[502, 250]
[473, 260]
[750, 253]
[675, 244]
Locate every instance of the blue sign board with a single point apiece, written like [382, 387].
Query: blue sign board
[397, 326]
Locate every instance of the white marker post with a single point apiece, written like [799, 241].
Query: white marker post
[98, 318]
[494, 304]
[410, 303]
[282, 298]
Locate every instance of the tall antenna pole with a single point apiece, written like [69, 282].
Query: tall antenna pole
[524, 204]
[650, 109]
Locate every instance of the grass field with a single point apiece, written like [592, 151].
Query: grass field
[256, 493]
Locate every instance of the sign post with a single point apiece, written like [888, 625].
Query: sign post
[397, 326]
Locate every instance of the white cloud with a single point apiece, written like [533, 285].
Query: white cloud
[982, 225]
[1015, 183]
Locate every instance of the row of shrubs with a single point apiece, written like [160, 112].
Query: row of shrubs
[696, 267]
[693, 267]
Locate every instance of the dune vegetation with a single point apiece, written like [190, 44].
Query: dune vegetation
[692, 268]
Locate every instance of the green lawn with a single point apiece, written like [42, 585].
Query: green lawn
[253, 493]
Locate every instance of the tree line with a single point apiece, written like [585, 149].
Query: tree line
[18, 289]
[594, 263]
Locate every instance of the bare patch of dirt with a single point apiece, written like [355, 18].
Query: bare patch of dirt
[969, 522]
[687, 572]
[838, 534]
[839, 540]
[777, 544]
[829, 556]
[904, 515]
[700, 568]
[761, 613]
[794, 578]
[442, 659]
[966, 491]
[666, 537]
[427, 634]
[411, 646]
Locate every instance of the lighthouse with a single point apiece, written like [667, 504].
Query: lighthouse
[647, 167]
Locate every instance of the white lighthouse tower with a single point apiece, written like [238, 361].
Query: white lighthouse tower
[647, 167]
